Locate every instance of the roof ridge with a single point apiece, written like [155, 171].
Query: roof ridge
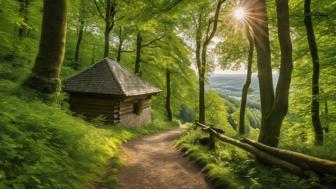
[106, 60]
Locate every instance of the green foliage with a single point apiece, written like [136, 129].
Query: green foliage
[43, 146]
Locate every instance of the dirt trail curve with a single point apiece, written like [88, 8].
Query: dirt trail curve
[152, 162]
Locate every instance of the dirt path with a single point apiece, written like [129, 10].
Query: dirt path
[152, 162]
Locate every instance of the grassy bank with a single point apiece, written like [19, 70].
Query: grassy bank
[230, 167]
[44, 146]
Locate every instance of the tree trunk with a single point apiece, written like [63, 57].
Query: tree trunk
[46, 71]
[326, 114]
[121, 41]
[315, 104]
[202, 58]
[79, 39]
[201, 82]
[138, 55]
[168, 97]
[24, 30]
[107, 39]
[201, 111]
[93, 54]
[280, 106]
[262, 44]
[274, 108]
[242, 129]
[109, 23]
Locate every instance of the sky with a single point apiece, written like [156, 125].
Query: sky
[220, 71]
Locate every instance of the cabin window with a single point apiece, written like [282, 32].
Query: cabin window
[137, 107]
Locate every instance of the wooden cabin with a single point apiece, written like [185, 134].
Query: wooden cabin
[107, 89]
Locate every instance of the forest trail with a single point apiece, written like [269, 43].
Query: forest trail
[153, 162]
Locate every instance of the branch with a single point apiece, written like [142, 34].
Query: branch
[215, 22]
[320, 14]
[125, 51]
[153, 41]
[120, 18]
[171, 6]
[153, 46]
[99, 11]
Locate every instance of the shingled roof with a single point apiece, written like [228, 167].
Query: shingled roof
[110, 78]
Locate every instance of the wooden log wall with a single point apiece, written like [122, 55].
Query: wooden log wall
[126, 107]
[112, 109]
[91, 107]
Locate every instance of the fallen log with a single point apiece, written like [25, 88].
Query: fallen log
[316, 164]
[302, 169]
[262, 156]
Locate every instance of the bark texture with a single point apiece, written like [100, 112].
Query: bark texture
[201, 116]
[79, 39]
[138, 54]
[46, 71]
[242, 128]
[121, 42]
[262, 45]
[168, 96]
[315, 103]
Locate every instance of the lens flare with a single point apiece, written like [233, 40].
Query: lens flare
[239, 13]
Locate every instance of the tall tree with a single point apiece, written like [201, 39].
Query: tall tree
[79, 39]
[274, 107]
[45, 74]
[202, 43]
[138, 54]
[168, 95]
[315, 102]
[107, 11]
[242, 129]
[120, 45]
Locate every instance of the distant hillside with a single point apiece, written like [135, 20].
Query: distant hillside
[231, 84]
[229, 88]
[252, 118]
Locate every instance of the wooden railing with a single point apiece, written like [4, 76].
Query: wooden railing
[298, 163]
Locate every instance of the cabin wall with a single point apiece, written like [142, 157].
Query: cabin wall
[93, 106]
[112, 109]
[129, 118]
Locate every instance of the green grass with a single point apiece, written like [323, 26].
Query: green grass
[44, 146]
[231, 167]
